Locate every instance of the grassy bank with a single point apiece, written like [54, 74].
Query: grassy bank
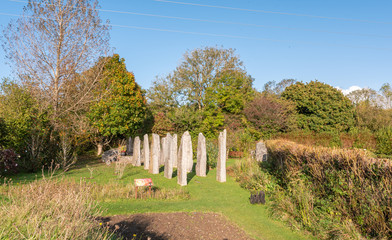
[333, 193]
[201, 194]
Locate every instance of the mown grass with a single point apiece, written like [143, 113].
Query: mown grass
[201, 195]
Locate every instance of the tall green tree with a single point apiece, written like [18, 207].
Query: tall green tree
[210, 82]
[198, 71]
[231, 90]
[320, 107]
[121, 110]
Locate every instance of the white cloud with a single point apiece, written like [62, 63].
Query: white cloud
[350, 89]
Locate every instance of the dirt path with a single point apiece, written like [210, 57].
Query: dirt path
[176, 226]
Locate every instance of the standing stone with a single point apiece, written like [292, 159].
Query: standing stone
[136, 152]
[166, 148]
[161, 156]
[189, 151]
[183, 161]
[146, 150]
[221, 165]
[201, 166]
[261, 152]
[179, 155]
[173, 150]
[155, 153]
[141, 153]
[166, 155]
[130, 147]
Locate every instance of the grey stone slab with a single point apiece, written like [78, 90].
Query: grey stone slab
[129, 146]
[188, 151]
[221, 164]
[146, 150]
[201, 166]
[174, 151]
[183, 161]
[261, 152]
[155, 154]
[161, 156]
[166, 155]
[136, 152]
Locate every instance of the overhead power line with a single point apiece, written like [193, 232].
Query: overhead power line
[246, 37]
[237, 23]
[228, 36]
[273, 12]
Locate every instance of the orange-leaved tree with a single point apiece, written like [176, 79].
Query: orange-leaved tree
[121, 110]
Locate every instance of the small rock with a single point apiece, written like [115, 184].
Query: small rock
[257, 198]
[110, 156]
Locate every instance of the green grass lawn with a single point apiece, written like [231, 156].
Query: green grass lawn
[206, 195]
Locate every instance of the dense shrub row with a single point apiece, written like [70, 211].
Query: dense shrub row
[379, 142]
[339, 191]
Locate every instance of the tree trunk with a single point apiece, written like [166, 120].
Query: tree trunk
[99, 148]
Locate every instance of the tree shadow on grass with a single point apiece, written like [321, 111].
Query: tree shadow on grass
[90, 160]
[135, 228]
[190, 176]
[175, 173]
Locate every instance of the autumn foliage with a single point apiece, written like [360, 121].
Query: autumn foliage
[121, 109]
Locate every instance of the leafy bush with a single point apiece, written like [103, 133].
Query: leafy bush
[320, 107]
[253, 177]
[212, 153]
[8, 161]
[26, 127]
[384, 141]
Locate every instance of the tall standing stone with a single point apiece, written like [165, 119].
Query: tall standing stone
[161, 156]
[183, 161]
[141, 153]
[189, 151]
[146, 150]
[201, 166]
[179, 155]
[136, 152]
[221, 165]
[173, 150]
[130, 147]
[155, 154]
[261, 152]
[166, 155]
[166, 147]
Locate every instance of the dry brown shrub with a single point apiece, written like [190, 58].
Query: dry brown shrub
[116, 191]
[354, 185]
[49, 209]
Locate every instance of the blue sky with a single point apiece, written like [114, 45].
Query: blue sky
[340, 42]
